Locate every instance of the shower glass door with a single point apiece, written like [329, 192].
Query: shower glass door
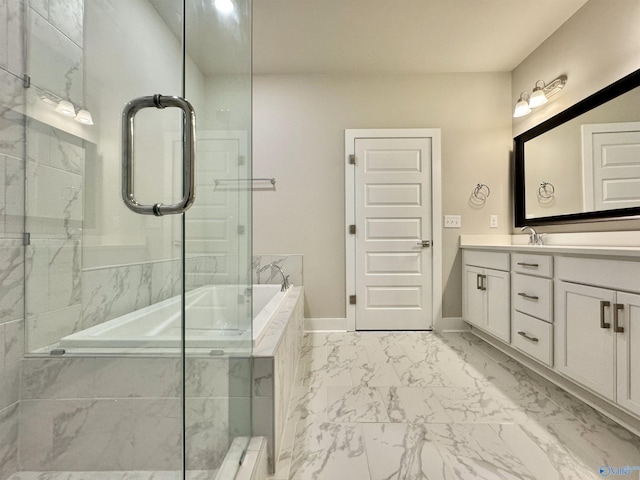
[137, 327]
[217, 237]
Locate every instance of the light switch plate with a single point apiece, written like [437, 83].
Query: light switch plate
[493, 221]
[452, 221]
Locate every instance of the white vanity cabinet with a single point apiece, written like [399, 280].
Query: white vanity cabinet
[532, 302]
[597, 328]
[486, 292]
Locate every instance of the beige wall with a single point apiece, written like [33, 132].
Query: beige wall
[595, 47]
[299, 123]
[598, 45]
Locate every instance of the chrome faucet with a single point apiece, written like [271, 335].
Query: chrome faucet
[285, 278]
[534, 238]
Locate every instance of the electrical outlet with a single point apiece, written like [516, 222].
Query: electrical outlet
[493, 221]
[452, 221]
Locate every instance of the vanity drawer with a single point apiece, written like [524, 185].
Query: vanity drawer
[532, 264]
[533, 296]
[484, 259]
[533, 337]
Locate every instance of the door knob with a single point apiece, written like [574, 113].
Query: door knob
[425, 243]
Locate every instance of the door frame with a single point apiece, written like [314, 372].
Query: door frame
[350, 136]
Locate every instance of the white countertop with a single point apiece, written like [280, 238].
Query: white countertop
[626, 245]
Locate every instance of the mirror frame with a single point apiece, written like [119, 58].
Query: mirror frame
[608, 93]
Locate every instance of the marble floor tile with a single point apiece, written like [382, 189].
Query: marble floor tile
[329, 451]
[439, 452]
[543, 455]
[375, 375]
[308, 402]
[456, 408]
[413, 405]
[500, 405]
[355, 404]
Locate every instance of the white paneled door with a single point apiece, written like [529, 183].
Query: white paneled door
[393, 258]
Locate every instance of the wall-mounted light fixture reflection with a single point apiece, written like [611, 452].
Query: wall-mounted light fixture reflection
[539, 96]
[84, 117]
[65, 107]
[224, 6]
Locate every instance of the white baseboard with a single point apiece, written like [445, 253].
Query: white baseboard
[325, 324]
[450, 324]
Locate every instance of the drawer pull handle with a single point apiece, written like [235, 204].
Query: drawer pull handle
[525, 264]
[530, 297]
[616, 309]
[533, 339]
[603, 305]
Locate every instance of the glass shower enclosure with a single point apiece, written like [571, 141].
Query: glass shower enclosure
[137, 320]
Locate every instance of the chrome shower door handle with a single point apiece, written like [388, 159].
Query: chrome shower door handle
[188, 154]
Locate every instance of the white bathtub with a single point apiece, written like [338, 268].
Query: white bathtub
[214, 319]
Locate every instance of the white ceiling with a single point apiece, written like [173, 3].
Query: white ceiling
[401, 36]
[368, 36]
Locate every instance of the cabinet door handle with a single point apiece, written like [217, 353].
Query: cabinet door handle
[533, 339]
[603, 305]
[525, 264]
[530, 297]
[482, 282]
[478, 281]
[616, 309]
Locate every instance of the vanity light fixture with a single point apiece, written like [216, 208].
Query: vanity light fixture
[539, 96]
[522, 106]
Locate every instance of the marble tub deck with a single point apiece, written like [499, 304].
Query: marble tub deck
[417, 405]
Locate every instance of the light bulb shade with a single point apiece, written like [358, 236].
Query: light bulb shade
[66, 108]
[84, 117]
[537, 98]
[522, 108]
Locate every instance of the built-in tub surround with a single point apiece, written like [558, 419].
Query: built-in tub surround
[65, 398]
[65, 401]
[274, 368]
[159, 325]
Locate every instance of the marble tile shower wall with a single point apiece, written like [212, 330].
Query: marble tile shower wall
[54, 162]
[11, 225]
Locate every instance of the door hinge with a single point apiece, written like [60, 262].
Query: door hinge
[352, 229]
[241, 229]
[352, 159]
[26, 239]
[26, 80]
[352, 299]
[241, 160]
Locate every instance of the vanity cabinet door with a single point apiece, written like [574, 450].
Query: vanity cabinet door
[628, 351]
[498, 321]
[584, 336]
[473, 296]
